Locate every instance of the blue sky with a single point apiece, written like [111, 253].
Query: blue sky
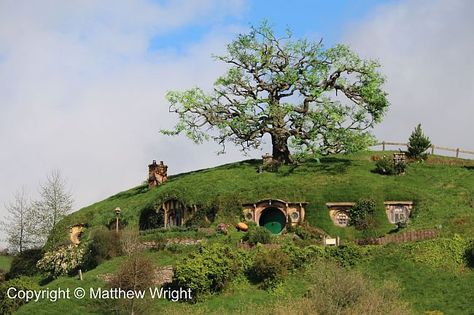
[310, 19]
[82, 83]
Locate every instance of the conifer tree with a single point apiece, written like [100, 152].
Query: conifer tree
[418, 143]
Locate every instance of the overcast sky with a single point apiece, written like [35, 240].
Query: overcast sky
[82, 83]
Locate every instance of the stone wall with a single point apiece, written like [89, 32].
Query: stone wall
[400, 238]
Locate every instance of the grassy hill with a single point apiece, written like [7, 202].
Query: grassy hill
[429, 275]
[442, 189]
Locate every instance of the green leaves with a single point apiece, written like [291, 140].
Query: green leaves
[318, 101]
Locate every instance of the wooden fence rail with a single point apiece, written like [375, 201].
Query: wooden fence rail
[432, 149]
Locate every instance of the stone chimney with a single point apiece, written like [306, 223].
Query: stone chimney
[157, 174]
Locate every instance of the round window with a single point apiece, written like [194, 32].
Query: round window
[295, 216]
[249, 216]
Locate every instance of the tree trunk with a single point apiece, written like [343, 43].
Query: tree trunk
[281, 153]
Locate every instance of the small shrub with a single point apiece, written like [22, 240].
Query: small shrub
[362, 215]
[9, 306]
[202, 218]
[258, 234]
[103, 245]
[418, 143]
[136, 273]
[302, 256]
[385, 166]
[24, 264]
[347, 255]
[62, 261]
[270, 268]
[207, 271]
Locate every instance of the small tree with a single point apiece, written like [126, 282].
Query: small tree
[55, 203]
[19, 223]
[418, 143]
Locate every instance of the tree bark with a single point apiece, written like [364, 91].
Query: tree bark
[281, 153]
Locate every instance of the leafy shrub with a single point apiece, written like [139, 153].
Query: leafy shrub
[270, 268]
[258, 234]
[362, 215]
[24, 264]
[347, 255]
[62, 261]
[208, 270]
[385, 166]
[301, 256]
[104, 244]
[9, 306]
[418, 143]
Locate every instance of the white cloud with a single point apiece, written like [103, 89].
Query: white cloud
[79, 91]
[426, 49]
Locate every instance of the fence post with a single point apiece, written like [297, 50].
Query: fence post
[432, 149]
[383, 145]
[457, 152]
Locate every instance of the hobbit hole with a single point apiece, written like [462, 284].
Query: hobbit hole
[340, 212]
[169, 214]
[274, 214]
[76, 233]
[398, 211]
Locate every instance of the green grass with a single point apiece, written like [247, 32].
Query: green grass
[5, 262]
[442, 188]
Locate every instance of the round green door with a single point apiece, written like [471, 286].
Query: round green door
[273, 219]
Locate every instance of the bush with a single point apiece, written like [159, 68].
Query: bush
[136, 273]
[9, 306]
[362, 215]
[347, 255]
[418, 143]
[202, 218]
[270, 268]
[208, 270]
[62, 261]
[24, 264]
[258, 234]
[302, 256]
[385, 166]
[104, 244]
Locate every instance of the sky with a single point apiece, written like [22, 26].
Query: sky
[82, 82]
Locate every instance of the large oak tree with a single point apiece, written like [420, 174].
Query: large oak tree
[307, 98]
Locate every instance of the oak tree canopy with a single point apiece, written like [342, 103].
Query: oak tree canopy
[308, 99]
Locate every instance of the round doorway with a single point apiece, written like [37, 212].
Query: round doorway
[273, 219]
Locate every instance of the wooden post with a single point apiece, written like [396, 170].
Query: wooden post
[383, 145]
[457, 152]
[80, 274]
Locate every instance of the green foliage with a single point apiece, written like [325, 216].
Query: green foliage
[347, 255]
[270, 268]
[262, 63]
[418, 143]
[62, 261]
[258, 234]
[208, 270]
[302, 256]
[386, 166]
[443, 253]
[203, 217]
[151, 218]
[9, 306]
[362, 215]
[24, 264]
[103, 245]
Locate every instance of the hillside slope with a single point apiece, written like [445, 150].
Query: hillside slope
[442, 189]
